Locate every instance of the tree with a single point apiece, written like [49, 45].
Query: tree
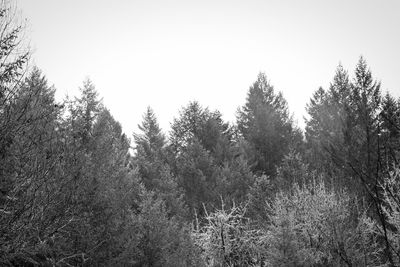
[292, 171]
[260, 195]
[29, 211]
[343, 129]
[234, 181]
[314, 226]
[14, 56]
[93, 167]
[390, 131]
[150, 145]
[197, 175]
[227, 239]
[330, 126]
[390, 207]
[83, 112]
[207, 127]
[154, 239]
[366, 98]
[201, 148]
[153, 168]
[264, 122]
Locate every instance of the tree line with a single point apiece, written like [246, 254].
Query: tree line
[77, 191]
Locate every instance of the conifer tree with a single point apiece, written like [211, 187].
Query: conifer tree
[153, 167]
[32, 164]
[390, 131]
[366, 98]
[330, 126]
[265, 123]
[150, 145]
[14, 57]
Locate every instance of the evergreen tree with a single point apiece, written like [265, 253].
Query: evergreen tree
[330, 125]
[153, 168]
[32, 165]
[197, 175]
[150, 145]
[201, 149]
[153, 239]
[84, 111]
[234, 181]
[314, 226]
[390, 131]
[14, 57]
[343, 128]
[366, 98]
[292, 171]
[265, 124]
[205, 126]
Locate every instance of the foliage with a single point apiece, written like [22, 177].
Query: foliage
[265, 123]
[150, 146]
[71, 193]
[227, 239]
[391, 209]
[152, 239]
[313, 226]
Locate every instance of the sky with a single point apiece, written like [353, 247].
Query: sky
[164, 54]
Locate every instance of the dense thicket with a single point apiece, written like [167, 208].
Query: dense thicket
[76, 191]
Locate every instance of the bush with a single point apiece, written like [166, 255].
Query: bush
[227, 239]
[313, 226]
[391, 210]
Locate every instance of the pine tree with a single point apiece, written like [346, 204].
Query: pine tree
[265, 124]
[330, 126]
[390, 131]
[14, 57]
[366, 98]
[234, 181]
[153, 167]
[196, 122]
[197, 175]
[343, 128]
[32, 164]
[201, 149]
[150, 146]
[85, 110]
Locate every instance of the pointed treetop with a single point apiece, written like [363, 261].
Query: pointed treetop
[340, 87]
[151, 136]
[88, 90]
[363, 77]
[89, 97]
[261, 91]
[341, 78]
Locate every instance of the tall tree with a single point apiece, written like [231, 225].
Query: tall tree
[79, 171]
[13, 57]
[196, 122]
[366, 98]
[84, 110]
[206, 160]
[264, 122]
[330, 123]
[32, 165]
[197, 175]
[355, 147]
[153, 168]
[150, 144]
[390, 131]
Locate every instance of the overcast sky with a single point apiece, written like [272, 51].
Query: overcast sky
[167, 53]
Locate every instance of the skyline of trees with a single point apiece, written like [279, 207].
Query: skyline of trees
[257, 192]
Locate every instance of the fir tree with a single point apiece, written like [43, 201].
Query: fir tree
[265, 124]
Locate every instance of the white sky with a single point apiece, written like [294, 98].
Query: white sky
[167, 53]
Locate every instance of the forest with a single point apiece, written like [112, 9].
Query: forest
[77, 191]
